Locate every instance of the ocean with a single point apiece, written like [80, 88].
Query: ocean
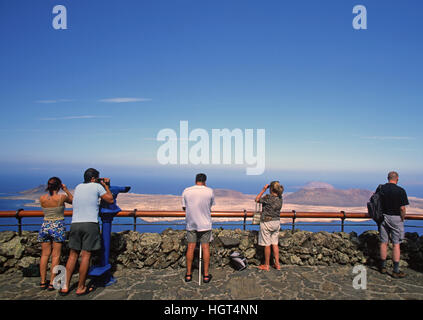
[123, 223]
[148, 184]
[11, 185]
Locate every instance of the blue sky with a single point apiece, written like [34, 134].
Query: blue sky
[335, 102]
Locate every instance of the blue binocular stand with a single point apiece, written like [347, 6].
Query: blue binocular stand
[102, 273]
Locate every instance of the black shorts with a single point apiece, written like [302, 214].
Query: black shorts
[85, 236]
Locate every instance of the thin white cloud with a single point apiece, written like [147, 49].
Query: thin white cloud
[124, 100]
[74, 118]
[53, 101]
[387, 138]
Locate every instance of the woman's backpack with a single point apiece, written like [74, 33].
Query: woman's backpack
[257, 214]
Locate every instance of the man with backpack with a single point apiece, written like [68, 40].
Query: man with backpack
[393, 200]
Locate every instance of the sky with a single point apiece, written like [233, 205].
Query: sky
[338, 105]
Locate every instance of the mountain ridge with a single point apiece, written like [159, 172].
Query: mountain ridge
[313, 193]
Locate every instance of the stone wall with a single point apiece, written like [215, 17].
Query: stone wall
[167, 250]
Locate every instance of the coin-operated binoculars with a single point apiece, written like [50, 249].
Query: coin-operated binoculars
[107, 213]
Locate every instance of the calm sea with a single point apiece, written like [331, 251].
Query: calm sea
[121, 224]
[11, 185]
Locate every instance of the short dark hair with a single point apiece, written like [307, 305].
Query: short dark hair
[53, 184]
[89, 174]
[392, 175]
[201, 177]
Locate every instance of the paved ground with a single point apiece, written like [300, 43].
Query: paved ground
[292, 282]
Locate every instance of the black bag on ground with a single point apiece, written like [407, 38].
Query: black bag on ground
[32, 270]
[238, 261]
[374, 206]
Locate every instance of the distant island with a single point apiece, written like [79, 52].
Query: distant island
[314, 196]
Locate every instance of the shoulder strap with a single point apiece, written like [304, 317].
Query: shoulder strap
[60, 200]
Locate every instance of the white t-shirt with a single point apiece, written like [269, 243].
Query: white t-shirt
[198, 201]
[86, 201]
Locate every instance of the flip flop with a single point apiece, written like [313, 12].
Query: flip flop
[87, 291]
[208, 277]
[276, 266]
[63, 293]
[188, 277]
[44, 285]
[50, 287]
[263, 267]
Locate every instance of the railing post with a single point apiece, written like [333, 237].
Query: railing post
[245, 218]
[19, 221]
[342, 221]
[293, 220]
[134, 214]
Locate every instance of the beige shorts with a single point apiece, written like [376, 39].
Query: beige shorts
[269, 233]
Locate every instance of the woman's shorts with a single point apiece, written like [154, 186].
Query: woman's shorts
[269, 233]
[52, 230]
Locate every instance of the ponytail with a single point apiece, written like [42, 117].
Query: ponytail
[53, 184]
[277, 188]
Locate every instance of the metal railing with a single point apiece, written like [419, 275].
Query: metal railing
[242, 214]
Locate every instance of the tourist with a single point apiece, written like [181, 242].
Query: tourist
[393, 201]
[197, 202]
[52, 233]
[84, 234]
[270, 223]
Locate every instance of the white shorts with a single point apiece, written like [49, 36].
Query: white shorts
[269, 233]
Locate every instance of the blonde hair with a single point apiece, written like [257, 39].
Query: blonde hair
[277, 188]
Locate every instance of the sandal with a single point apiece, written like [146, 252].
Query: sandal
[50, 287]
[276, 266]
[263, 267]
[188, 277]
[87, 291]
[63, 293]
[206, 279]
[44, 285]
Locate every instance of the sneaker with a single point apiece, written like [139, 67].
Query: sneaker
[398, 274]
[382, 270]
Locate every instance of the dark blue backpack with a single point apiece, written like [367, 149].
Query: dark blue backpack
[374, 206]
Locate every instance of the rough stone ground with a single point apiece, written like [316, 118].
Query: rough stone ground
[292, 282]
